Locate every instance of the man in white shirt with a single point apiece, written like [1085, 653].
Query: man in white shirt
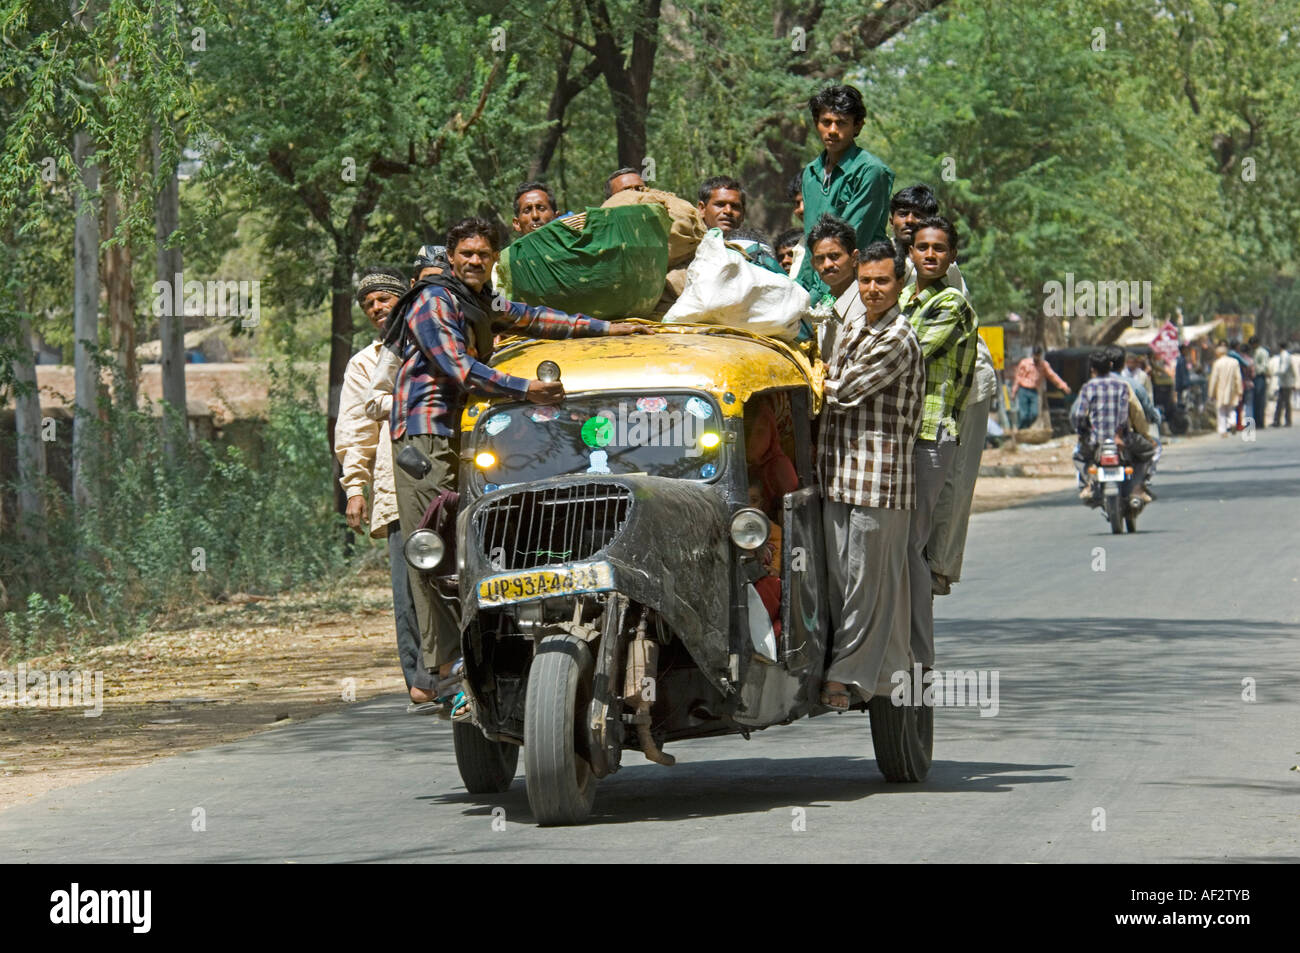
[833, 243]
[1282, 369]
[365, 453]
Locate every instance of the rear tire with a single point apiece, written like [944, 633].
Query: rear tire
[903, 736]
[561, 785]
[486, 767]
[1114, 514]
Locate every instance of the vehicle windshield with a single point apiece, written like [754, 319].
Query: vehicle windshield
[671, 435]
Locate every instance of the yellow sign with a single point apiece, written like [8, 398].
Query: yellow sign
[993, 338]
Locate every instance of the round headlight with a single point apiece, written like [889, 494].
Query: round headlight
[750, 528]
[424, 549]
[548, 371]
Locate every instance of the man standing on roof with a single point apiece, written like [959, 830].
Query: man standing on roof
[846, 181]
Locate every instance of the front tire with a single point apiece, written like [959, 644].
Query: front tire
[561, 785]
[486, 767]
[903, 736]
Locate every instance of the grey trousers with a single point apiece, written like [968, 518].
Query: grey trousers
[867, 574]
[947, 543]
[932, 460]
[408, 625]
[439, 619]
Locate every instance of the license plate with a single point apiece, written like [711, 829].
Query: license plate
[544, 584]
[1106, 474]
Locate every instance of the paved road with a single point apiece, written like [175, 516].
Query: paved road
[1120, 690]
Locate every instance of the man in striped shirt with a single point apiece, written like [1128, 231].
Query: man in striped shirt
[875, 380]
[945, 326]
[444, 341]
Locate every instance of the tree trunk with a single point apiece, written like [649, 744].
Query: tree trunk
[121, 297]
[171, 327]
[340, 352]
[27, 425]
[85, 311]
[628, 75]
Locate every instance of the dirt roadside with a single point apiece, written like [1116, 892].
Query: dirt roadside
[255, 664]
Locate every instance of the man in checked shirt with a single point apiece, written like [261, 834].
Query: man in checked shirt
[875, 382]
[945, 326]
[444, 344]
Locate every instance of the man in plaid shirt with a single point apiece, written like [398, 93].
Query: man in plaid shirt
[1104, 408]
[443, 344]
[945, 325]
[875, 380]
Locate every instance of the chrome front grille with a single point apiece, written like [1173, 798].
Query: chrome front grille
[527, 528]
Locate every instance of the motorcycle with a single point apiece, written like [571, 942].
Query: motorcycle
[1113, 487]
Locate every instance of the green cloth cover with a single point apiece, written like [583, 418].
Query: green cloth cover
[613, 268]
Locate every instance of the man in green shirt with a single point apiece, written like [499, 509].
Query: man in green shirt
[945, 326]
[848, 182]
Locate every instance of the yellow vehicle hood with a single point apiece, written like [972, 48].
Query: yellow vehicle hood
[698, 357]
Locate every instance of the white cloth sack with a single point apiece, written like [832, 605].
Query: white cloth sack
[723, 288]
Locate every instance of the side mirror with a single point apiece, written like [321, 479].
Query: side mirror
[413, 462]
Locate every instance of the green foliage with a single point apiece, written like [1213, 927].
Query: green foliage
[171, 531]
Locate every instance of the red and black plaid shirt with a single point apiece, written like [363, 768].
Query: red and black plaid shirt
[440, 365]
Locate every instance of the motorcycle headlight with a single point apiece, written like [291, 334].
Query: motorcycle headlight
[424, 549]
[750, 528]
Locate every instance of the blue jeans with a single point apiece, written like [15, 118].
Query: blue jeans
[1026, 407]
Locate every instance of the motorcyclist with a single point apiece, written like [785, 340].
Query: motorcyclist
[1106, 407]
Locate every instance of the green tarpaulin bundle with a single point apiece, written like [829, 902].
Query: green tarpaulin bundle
[612, 266]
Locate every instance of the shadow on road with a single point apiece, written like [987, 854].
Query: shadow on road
[704, 789]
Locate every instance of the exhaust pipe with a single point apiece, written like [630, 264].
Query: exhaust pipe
[639, 689]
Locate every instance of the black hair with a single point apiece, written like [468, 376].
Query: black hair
[941, 223]
[795, 188]
[881, 251]
[918, 198]
[535, 187]
[713, 183]
[828, 226]
[845, 100]
[1115, 355]
[428, 256]
[626, 170]
[1100, 361]
[791, 236]
[1038, 350]
[468, 228]
[747, 234]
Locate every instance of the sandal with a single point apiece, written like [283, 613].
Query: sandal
[837, 700]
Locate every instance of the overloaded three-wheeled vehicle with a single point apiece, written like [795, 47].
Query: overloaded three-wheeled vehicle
[627, 576]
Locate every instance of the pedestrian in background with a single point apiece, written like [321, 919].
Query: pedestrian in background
[1286, 376]
[1225, 387]
[1029, 387]
[1260, 360]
